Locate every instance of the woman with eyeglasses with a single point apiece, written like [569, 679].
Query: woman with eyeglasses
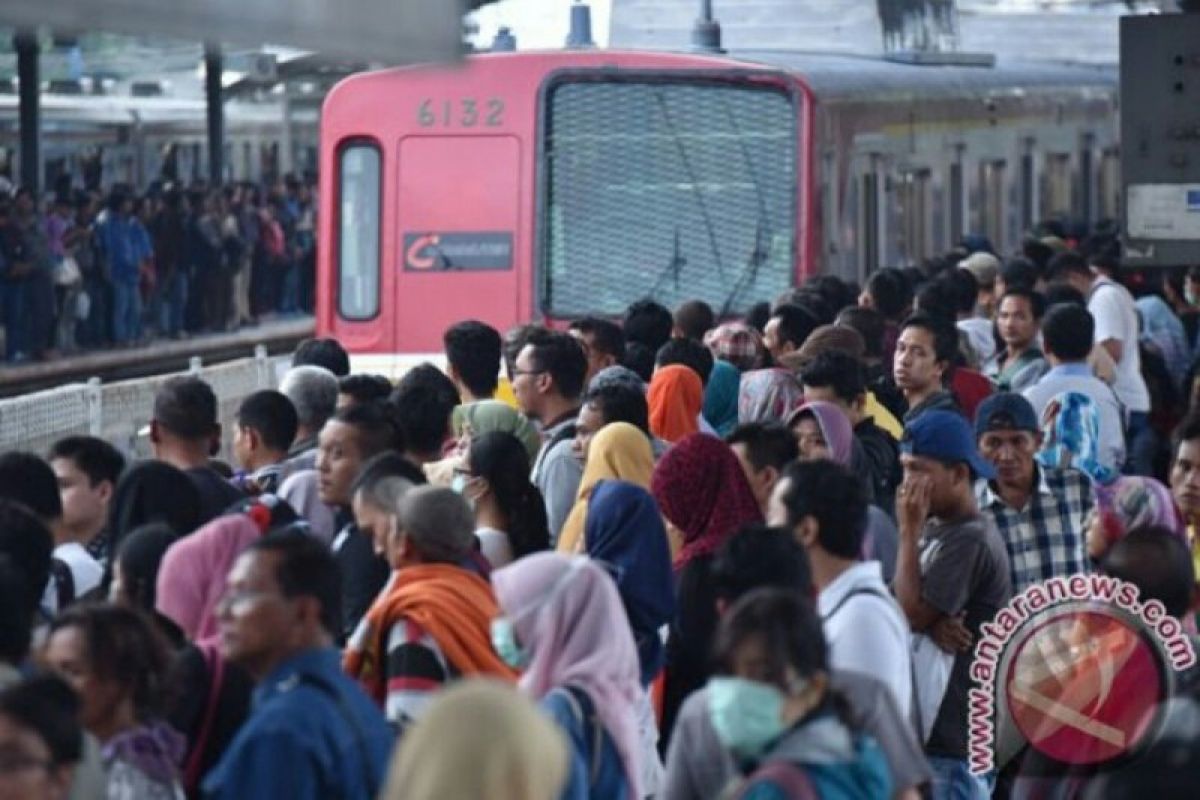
[40, 739]
[510, 516]
[117, 663]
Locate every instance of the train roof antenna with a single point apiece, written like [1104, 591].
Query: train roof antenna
[580, 35]
[706, 33]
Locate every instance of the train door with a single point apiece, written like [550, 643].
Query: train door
[458, 215]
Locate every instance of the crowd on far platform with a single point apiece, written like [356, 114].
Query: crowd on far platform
[80, 270]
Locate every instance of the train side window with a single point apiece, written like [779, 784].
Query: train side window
[1086, 179]
[913, 202]
[992, 197]
[1028, 186]
[869, 225]
[957, 194]
[359, 180]
[1110, 184]
[1056, 186]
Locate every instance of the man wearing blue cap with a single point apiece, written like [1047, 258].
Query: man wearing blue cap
[1038, 510]
[952, 574]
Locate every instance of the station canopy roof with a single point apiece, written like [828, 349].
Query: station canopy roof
[387, 31]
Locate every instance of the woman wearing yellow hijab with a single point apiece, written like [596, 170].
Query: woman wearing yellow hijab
[618, 451]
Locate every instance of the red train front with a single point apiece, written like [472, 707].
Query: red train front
[551, 185]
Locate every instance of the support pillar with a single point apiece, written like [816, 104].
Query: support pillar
[214, 97]
[29, 114]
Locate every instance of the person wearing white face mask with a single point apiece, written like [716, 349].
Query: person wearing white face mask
[772, 707]
[510, 516]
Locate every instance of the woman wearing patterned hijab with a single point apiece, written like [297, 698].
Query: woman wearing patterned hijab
[768, 395]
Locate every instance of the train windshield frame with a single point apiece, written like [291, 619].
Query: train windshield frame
[666, 184]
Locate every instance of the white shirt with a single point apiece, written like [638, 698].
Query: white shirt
[1079, 378]
[86, 572]
[980, 334]
[495, 546]
[1112, 308]
[867, 632]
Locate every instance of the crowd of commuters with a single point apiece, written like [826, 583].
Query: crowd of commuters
[691, 558]
[80, 270]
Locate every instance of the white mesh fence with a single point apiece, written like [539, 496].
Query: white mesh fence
[119, 411]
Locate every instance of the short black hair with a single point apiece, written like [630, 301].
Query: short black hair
[1106, 260]
[1188, 430]
[1037, 252]
[811, 301]
[1019, 273]
[795, 323]
[1155, 560]
[473, 350]
[839, 371]
[92, 456]
[386, 465]
[28, 479]
[768, 444]
[833, 496]
[122, 646]
[964, 289]
[835, 291]
[695, 318]
[187, 407]
[376, 425]
[648, 323]
[620, 402]
[515, 339]
[640, 359]
[890, 291]
[758, 557]
[140, 555]
[688, 352]
[786, 623]
[1067, 332]
[28, 542]
[945, 336]
[1037, 303]
[272, 415]
[16, 618]
[936, 298]
[870, 326]
[560, 355]
[47, 706]
[306, 568]
[1067, 263]
[1059, 293]
[758, 315]
[365, 388]
[607, 336]
[424, 399]
[325, 352]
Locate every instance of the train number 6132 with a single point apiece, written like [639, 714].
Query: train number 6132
[467, 112]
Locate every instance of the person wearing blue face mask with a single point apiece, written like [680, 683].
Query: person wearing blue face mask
[772, 707]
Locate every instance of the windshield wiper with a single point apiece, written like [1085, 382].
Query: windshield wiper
[749, 274]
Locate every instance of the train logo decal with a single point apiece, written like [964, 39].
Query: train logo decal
[470, 251]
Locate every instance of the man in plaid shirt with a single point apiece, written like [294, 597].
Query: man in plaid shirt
[1039, 511]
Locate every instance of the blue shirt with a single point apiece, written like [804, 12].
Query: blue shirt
[589, 777]
[312, 734]
[119, 240]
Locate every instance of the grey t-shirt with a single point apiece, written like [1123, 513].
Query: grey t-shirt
[699, 767]
[964, 567]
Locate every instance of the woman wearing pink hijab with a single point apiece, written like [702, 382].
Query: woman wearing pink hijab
[564, 625]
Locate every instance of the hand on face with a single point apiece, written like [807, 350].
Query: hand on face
[912, 502]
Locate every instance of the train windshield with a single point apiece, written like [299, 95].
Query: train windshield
[672, 188]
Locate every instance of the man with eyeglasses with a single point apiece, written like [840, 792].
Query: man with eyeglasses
[547, 381]
[1039, 511]
[312, 732]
